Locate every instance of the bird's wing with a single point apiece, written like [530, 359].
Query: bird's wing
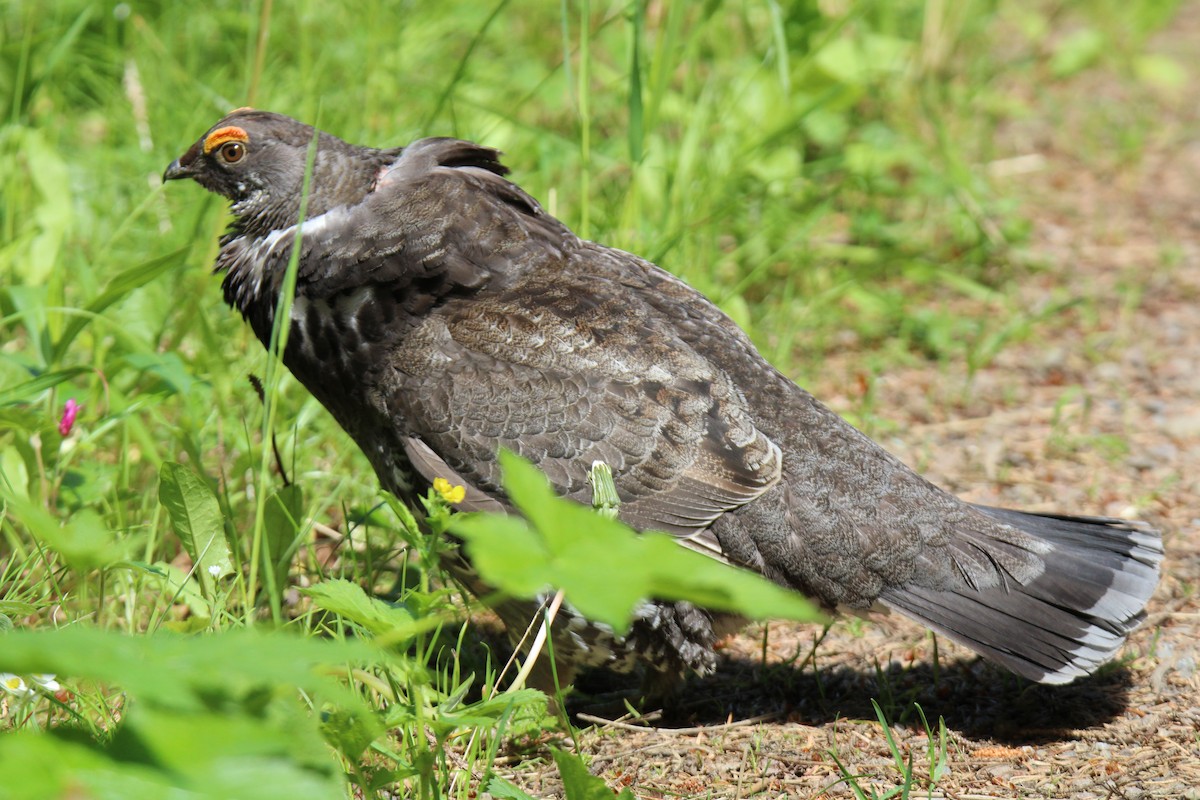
[487, 343]
[568, 375]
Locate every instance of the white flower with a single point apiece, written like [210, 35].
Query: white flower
[14, 685]
[215, 571]
[46, 681]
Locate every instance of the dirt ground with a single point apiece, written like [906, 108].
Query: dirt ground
[1097, 412]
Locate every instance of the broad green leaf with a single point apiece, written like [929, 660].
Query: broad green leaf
[498, 787]
[85, 542]
[30, 304]
[217, 749]
[348, 600]
[281, 522]
[189, 673]
[184, 588]
[14, 473]
[605, 567]
[215, 716]
[827, 127]
[56, 763]
[154, 754]
[508, 547]
[884, 54]
[197, 518]
[579, 784]
[351, 734]
[858, 61]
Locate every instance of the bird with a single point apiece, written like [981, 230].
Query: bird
[440, 315]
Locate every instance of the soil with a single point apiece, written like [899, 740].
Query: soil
[1097, 412]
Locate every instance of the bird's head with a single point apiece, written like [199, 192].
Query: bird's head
[257, 160]
[246, 153]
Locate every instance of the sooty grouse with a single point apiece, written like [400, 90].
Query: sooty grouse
[441, 314]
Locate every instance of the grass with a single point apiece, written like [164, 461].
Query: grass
[936, 756]
[818, 169]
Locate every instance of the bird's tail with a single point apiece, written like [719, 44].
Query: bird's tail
[1066, 621]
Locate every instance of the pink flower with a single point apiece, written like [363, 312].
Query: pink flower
[70, 411]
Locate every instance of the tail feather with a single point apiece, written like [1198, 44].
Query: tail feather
[1067, 620]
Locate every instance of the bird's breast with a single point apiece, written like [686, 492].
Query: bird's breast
[341, 340]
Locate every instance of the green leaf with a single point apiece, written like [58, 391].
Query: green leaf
[579, 784]
[605, 567]
[635, 128]
[507, 547]
[54, 764]
[519, 713]
[85, 542]
[842, 60]
[1077, 52]
[183, 588]
[348, 600]
[1160, 70]
[189, 673]
[214, 716]
[14, 472]
[37, 240]
[281, 524]
[167, 367]
[156, 754]
[351, 734]
[503, 789]
[196, 515]
[857, 62]
[276, 749]
[32, 388]
[17, 608]
[118, 289]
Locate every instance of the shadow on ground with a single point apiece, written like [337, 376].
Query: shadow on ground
[974, 698]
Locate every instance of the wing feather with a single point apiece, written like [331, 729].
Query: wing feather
[557, 378]
[483, 347]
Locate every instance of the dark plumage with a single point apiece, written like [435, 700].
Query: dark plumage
[441, 314]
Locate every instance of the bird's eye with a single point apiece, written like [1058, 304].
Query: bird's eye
[232, 152]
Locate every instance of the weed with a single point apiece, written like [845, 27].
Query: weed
[903, 786]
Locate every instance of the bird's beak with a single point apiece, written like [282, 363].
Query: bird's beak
[177, 170]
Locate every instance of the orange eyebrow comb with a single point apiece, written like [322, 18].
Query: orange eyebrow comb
[223, 135]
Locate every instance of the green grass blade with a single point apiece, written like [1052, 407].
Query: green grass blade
[31, 389]
[117, 289]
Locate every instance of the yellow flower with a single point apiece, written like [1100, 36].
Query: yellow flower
[451, 494]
